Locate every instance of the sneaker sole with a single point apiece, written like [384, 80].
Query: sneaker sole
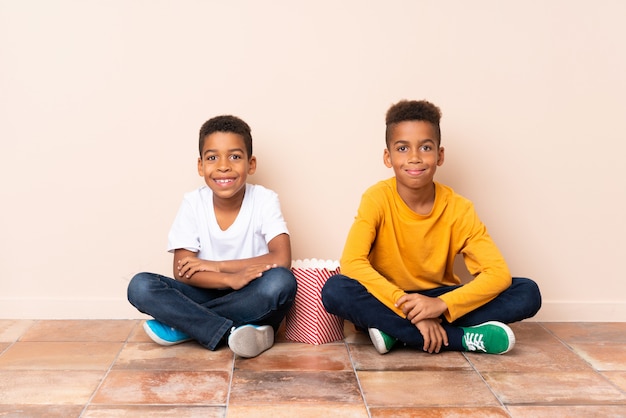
[509, 333]
[378, 341]
[158, 339]
[250, 341]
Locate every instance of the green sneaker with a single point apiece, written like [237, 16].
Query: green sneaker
[491, 337]
[382, 342]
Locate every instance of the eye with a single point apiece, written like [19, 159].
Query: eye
[402, 148]
[211, 157]
[236, 157]
[426, 148]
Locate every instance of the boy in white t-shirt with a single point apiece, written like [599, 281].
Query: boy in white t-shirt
[232, 255]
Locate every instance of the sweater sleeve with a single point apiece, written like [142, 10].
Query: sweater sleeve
[483, 261]
[355, 262]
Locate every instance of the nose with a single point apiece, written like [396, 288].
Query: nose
[223, 164]
[415, 156]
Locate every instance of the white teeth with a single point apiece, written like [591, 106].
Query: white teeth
[223, 181]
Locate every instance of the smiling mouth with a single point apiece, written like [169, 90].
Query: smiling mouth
[224, 181]
[415, 172]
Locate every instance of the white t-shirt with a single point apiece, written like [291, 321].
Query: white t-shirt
[195, 227]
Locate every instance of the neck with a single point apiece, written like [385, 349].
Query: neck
[231, 203]
[419, 200]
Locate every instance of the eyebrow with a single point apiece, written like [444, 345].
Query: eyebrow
[421, 142]
[228, 151]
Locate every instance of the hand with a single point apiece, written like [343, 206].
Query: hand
[418, 307]
[433, 333]
[243, 277]
[188, 266]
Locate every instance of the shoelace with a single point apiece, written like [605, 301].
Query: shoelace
[474, 342]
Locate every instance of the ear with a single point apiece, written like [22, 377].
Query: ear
[441, 156]
[200, 170]
[252, 165]
[387, 158]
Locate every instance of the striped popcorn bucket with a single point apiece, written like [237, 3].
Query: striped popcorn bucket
[307, 321]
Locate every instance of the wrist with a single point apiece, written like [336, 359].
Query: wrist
[443, 307]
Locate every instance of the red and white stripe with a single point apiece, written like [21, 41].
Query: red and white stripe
[308, 321]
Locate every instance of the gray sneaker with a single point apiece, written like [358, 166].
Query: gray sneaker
[251, 340]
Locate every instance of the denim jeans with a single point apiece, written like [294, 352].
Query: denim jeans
[207, 315]
[349, 299]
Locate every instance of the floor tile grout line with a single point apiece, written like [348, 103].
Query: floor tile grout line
[35, 322]
[609, 381]
[571, 349]
[230, 383]
[358, 380]
[108, 371]
[504, 404]
[17, 339]
[563, 342]
[591, 366]
[482, 378]
[11, 344]
[559, 341]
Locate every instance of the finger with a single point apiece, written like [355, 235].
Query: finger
[417, 315]
[439, 341]
[444, 336]
[427, 340]
[410, 308]
[190, 269]
[183, 265]
[435, 342]
[263, 269]
[409, 314]
[258, 272]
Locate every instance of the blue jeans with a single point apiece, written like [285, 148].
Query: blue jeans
[349, 299]
[207, 315]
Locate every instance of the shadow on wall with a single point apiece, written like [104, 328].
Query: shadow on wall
[460, 270]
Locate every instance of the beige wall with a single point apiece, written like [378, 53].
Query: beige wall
[101, 103]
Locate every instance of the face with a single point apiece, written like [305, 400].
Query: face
[413, 154]
[225, 165]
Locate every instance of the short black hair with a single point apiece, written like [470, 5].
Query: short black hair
[226, 123]
[409, 110]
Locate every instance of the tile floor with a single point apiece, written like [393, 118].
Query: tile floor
[100, 368]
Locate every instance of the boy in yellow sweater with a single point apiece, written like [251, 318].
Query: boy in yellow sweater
[397, 277]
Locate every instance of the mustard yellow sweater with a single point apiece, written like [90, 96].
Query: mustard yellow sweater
[390, 249]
